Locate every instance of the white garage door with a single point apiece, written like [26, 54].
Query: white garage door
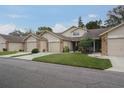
[31, 45]
[116, 47]
[54, 46]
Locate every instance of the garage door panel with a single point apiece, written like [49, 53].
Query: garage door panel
[54, 46]
[116, 47]
[31, 45]
[2, 45]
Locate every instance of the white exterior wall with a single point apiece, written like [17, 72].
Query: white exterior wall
[69, 33]
[15, 46]
[69, 44]
[2, 43]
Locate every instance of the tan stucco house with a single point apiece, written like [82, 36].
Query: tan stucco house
[113, 41]
[50, 41]
[109, 41]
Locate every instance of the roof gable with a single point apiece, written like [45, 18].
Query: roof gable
[35, 36]
[71, 28]
[12, 39]
[111, 29]
[52, 33]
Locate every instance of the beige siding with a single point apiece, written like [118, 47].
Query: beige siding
[53, 42]
[70, 32]
[2, 43]
[115, 40]
[116, 47]
[43, 45]
[15, 46]
[54, 46]
[69, 44]
[31, 43]
[117, 33]
[31, 39]
[51, 38]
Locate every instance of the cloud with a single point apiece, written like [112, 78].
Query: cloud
[8, 28]
[16, 16]
[92, 15]
[59, 28]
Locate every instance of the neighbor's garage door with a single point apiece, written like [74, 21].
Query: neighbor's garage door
[116, 47]
[54, 46]
[2, 45]
[31, 45]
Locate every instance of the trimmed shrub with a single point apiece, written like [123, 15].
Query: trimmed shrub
[20, 50]
[44, 50]
[4, 49]
[66, 49]
[35, 50]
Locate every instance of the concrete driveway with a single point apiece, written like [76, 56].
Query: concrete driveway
[118, 64]
[23, 73]
[31, 56]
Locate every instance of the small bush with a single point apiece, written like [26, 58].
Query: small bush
[4, 49]
[44, 50]
[66, 49]
[35, 50]
[20, 50]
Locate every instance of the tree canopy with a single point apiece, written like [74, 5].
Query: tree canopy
[115, 16]
[42, 28]
[20, 33]
[94, 24]
[80, 23]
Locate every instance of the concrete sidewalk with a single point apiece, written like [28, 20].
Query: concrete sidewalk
[31, 56]
[16, 54]
[117, 63]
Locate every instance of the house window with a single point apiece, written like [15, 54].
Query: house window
[76, 33]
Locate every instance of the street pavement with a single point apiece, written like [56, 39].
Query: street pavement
[19, 73]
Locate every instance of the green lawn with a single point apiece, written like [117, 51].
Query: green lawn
[76, 59]
[7, 52]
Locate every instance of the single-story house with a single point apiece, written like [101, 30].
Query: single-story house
[108, 41]
[50, 41]
[113, 41]
[11, 43]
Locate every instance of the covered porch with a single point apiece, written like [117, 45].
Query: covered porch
[96, 46]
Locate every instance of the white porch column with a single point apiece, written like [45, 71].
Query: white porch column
[94, 50]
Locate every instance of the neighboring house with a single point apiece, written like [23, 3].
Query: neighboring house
[109, 41]
[113, 41]
[11, 43]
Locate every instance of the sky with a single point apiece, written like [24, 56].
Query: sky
[58, 17]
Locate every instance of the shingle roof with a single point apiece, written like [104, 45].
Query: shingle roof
[12, 39]
[36, 36]
[94, 33]
[68, 38]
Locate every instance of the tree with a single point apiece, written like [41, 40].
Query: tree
[80, 23]
[94, 24]
[16, 33]
[20, 33]
[115, 16]
[40, 29]
[86, 45]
